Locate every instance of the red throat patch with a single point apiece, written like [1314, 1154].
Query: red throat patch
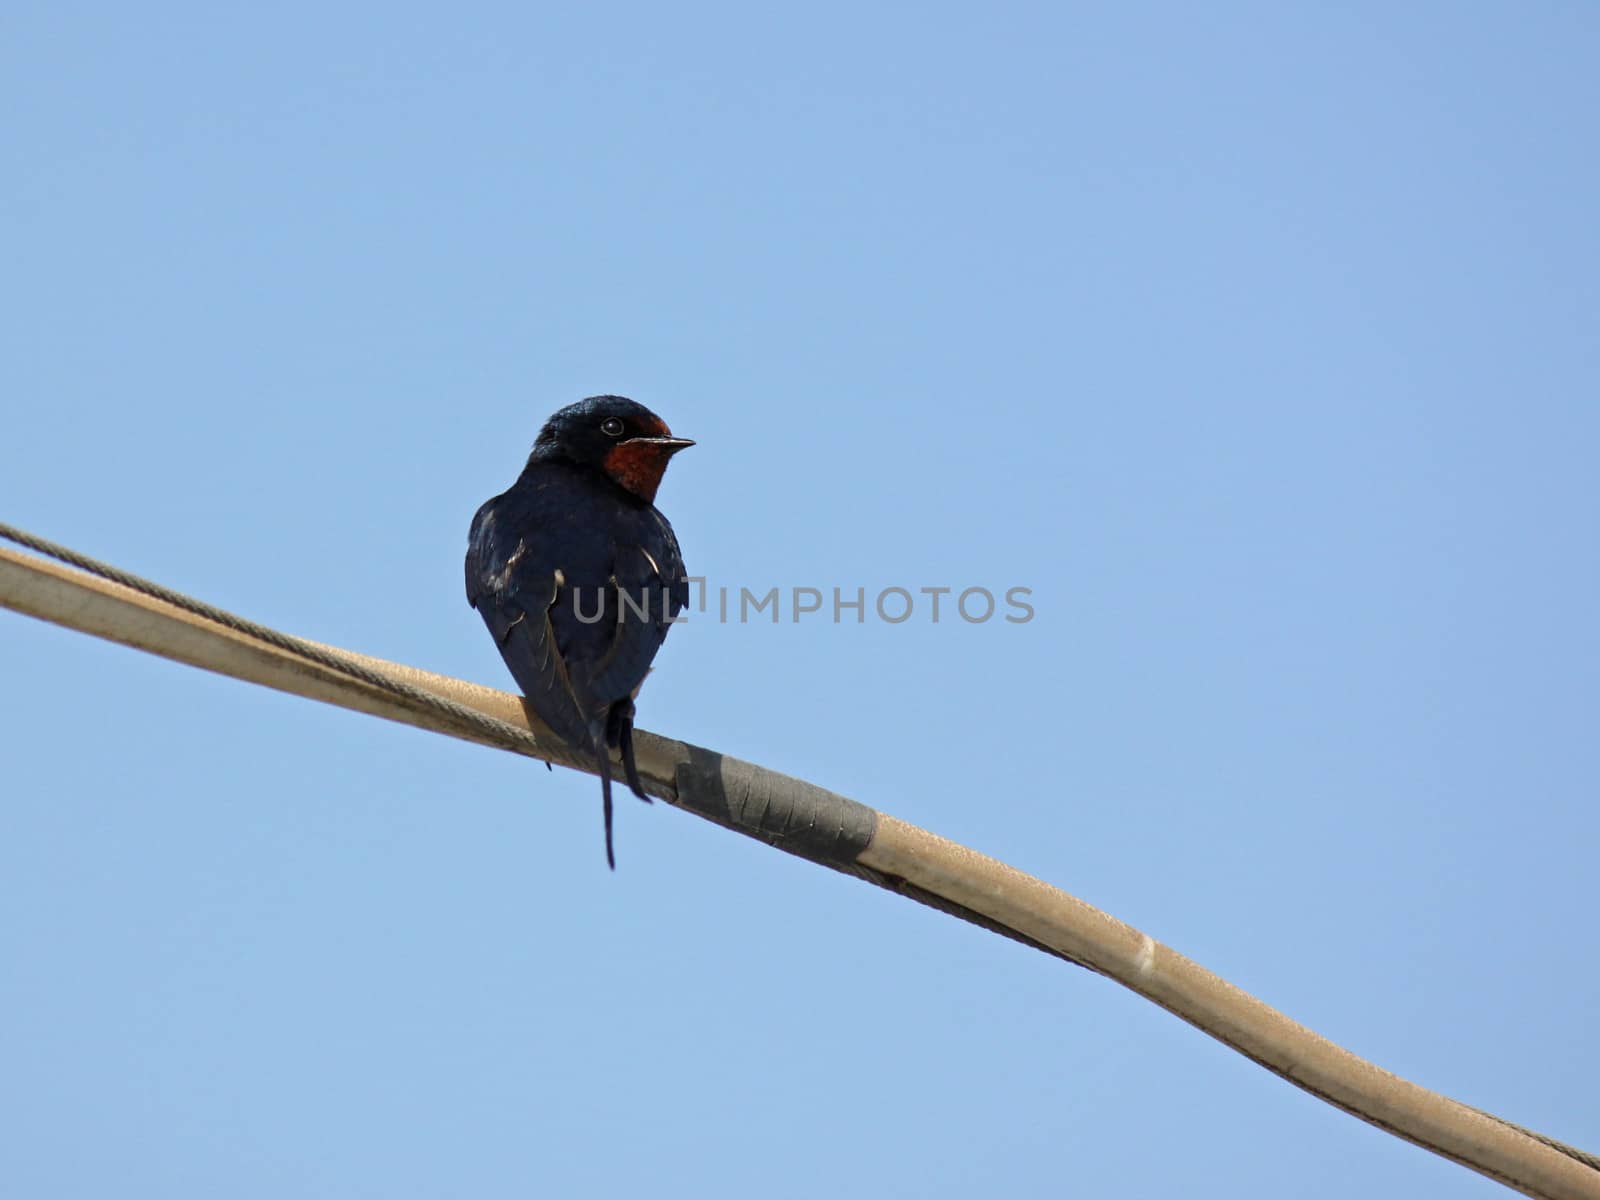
[638, 466]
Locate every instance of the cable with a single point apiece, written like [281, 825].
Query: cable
[803, 819]
[499, 733]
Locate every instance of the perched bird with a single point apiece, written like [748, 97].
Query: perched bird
[578, 576]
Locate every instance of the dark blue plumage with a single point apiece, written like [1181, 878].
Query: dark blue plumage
[577, 575]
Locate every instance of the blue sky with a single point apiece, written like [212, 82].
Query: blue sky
[1259, 341]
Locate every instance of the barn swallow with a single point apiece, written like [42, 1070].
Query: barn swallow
[578, 575]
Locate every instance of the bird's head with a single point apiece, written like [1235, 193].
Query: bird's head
[615, 435]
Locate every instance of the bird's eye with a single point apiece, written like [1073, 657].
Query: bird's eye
[611, 427]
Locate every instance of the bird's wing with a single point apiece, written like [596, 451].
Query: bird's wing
[649, 589]
[516, 601]
[676, 574]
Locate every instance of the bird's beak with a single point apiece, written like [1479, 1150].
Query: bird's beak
[667, 445]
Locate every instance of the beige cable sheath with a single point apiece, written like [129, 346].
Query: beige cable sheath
[899, 856]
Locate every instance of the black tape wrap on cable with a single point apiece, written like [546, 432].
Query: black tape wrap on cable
[790, 814]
